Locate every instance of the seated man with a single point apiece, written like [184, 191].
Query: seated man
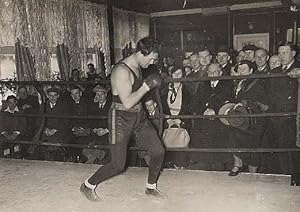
[210, 98]
[55, 130]
[30, 105]
[80, 127]
[12, 128]
[99, 127]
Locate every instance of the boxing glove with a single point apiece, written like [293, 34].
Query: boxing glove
[153, 81]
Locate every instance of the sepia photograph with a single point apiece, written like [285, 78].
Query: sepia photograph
[150, 105]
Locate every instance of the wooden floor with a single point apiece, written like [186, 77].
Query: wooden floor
[37, 186]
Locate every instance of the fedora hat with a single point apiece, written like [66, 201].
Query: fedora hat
[234, 109]
[99, 88]
[224, 111]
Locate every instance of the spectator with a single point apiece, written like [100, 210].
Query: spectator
[223, 58]
[240, 56]
[75, 75]
[261, 60]
[187, 68]
[80, 127]
[12, 128]
[56, 130]
[250, 96]
[196, 73]
[274, 62]
[153, 110]
[30, 105]
[283, 98]
[249, 51]
[205, 58]
[210, 98]
[176, 102]
[99, 128]
[92, 75]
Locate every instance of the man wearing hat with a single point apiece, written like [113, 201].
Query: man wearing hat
[56, 130]
[98, 106]
[127, 119]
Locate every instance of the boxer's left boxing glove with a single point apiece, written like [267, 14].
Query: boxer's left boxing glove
[153, 81]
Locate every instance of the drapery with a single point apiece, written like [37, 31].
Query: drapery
[41, 25]
[129, 27]
[63, 60]
[24, 63]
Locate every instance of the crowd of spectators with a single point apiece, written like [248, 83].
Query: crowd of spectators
[244, 96]
[93, 99]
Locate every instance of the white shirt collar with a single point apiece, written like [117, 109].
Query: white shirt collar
[16, 109]
[223, 66]
[52, 105]
[101, 105]
[214, 83]
[263, 68]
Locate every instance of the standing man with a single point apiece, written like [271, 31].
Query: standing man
[127, 119]
[283, 98]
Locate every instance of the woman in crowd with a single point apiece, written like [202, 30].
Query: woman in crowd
[250, 96]
[175, 100]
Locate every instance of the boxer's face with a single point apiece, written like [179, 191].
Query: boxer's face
[149, 59]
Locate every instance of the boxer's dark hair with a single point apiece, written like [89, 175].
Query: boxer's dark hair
[147, 45]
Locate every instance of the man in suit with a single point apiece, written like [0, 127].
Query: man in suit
[210, 99]
[283, 98]
[12, 128]
[223, 58]
[80, 127]
[99, 127]
[56, 130]
[29, 104]
[261, 57]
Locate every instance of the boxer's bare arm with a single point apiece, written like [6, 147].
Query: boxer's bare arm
[122, 85]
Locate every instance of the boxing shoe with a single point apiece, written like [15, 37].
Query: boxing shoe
[155, 193]
[90, 194]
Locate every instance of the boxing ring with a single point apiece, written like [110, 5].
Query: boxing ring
[28, 185]
[34, 186]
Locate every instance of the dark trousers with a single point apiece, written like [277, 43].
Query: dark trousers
[124, 125]
[284, 135]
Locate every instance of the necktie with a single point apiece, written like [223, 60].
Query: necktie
[173, 94]
[284, 69]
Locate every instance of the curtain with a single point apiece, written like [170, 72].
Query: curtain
[63, 60]
[41, 25]
[129, 27]
[24, 63]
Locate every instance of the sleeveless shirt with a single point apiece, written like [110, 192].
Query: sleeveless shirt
[137, 83]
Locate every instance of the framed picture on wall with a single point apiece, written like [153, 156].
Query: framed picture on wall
[257, 39]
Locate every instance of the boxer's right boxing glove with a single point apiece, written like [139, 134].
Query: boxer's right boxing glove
[153, 81]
